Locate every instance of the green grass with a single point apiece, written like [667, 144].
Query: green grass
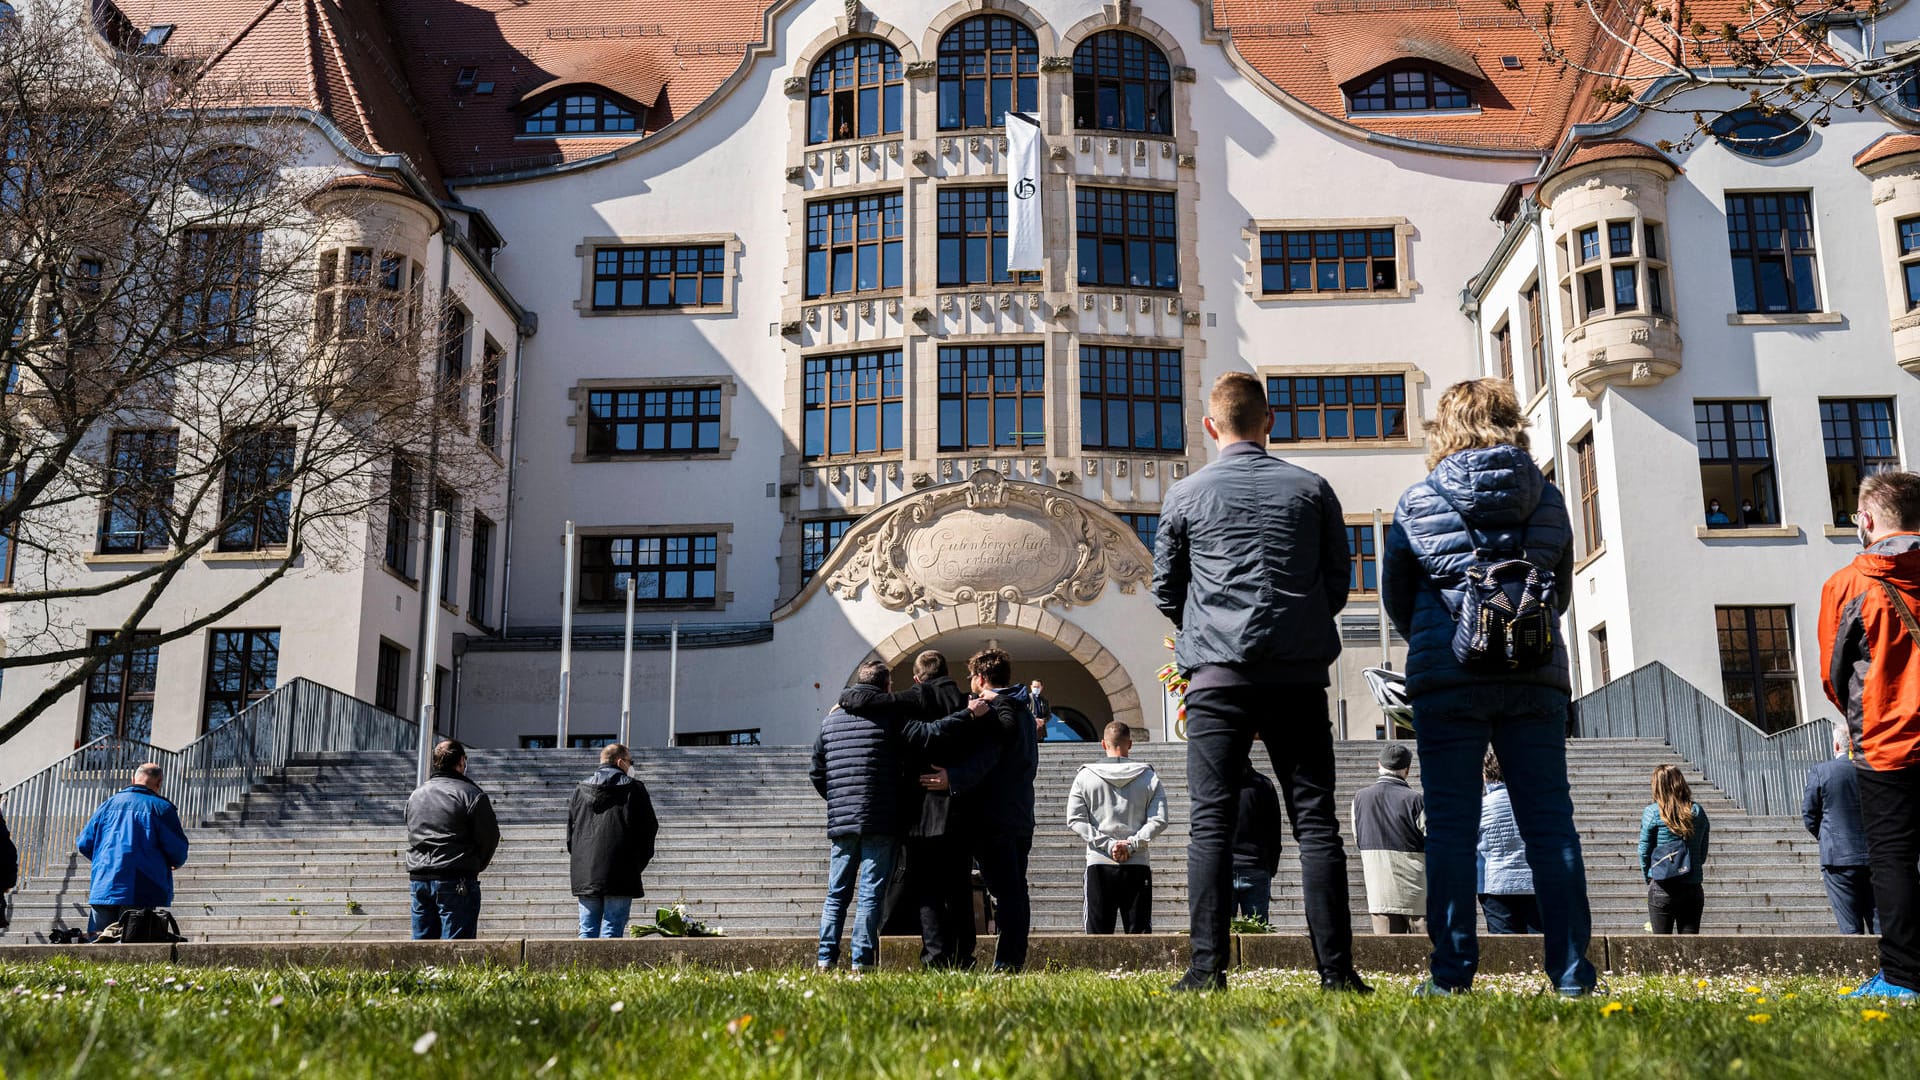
[67, 1019]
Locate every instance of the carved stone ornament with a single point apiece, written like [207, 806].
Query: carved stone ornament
[1056, 63]
[1148, 468]
[1179, 469]
[922, 314]
[1193, 318]
[1064, 476]
[866, 309]
[795, 85]
[1166, 149]
[1185, 74]
[1186, 161]
[790, 329]
[1642, 371]
[1006, 301]
[982, 542]
[920, 69]
[796, 173]
[1057, 152]
[922, 480]
[973, 143]
[921, 157]
[813, 316]
[1113, 146]
[1086, 301]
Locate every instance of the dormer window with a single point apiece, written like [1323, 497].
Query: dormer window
[1409, 88]
[583, 113]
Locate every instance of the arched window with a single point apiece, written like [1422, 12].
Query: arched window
[855, 92]
[1409, 89]
[987, 65]
[1121, 82]
[581, 113]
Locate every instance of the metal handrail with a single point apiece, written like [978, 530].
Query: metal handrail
[1762, 773]
[46, 811]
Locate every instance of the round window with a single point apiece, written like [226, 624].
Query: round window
[1757, 133]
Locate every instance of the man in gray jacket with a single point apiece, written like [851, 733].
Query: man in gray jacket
[451, 837]
[1118, 807]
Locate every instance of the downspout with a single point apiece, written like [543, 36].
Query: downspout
[1574, 670]
[513, 435]
[433, 466]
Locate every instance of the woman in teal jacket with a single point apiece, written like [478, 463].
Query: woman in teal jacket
[1673, 854]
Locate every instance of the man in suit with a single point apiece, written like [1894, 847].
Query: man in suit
[1831, 810]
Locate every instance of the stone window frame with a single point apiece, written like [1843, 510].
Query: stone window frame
[1358, 558]
[1125, 186]
[723, 550]
[1403, 234]
[1416, 380]
[1502, 337]
[1647, 259]
[588, 246]
[579, 394]
[826, 520]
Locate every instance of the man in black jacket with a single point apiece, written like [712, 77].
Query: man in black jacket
[1830, 808]
[993, 799]
[1256, 844]
[9, 869]
[936, 876]
[610, 832]
[451, 837]
[1251, 564]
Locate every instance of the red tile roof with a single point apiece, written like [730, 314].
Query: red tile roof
[1887, 146]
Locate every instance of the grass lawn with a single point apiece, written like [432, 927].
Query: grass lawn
[67, 1019]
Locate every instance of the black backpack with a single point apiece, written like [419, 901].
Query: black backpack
[1507, 614]
[139, 926]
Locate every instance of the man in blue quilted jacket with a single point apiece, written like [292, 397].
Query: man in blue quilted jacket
[135, 842]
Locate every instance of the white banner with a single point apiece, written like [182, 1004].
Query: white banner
[1026, 238]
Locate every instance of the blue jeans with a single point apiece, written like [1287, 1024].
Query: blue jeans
[1527, 727]
[857, 875]
[446, 910]
[103, 916]
[1253, 893]
[604, 916]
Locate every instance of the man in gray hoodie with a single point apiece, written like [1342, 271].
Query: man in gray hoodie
[1117, 806]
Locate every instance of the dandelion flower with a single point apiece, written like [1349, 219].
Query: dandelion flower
[1702, 984]
[1752, 990]
[425, 1042]
[1873, 1014]
[1758, 1018]
[1610, 1008]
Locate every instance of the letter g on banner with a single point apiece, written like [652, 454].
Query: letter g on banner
[1026, 245]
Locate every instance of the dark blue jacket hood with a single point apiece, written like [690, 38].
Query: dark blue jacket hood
[1498, 487]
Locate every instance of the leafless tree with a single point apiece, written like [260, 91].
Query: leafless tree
[1798, 58]
[196, 364]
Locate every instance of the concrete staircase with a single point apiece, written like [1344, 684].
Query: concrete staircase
[317, 854]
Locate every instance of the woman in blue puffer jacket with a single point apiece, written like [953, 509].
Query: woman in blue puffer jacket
[1481, 469]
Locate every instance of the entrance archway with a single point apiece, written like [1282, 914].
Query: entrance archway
[1078, 672]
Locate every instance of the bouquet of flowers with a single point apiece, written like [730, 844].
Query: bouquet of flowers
[1176, 685]
[673, 922]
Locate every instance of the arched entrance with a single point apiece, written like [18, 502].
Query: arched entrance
[1081, 708]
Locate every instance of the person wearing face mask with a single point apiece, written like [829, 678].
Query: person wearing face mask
[1870, 668]
[1716, 517]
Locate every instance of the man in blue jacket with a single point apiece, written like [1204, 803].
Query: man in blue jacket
[1831, 810]
[1251, 565]
[135, 843]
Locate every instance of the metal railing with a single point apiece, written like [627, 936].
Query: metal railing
[1764, 774]
[47, 811]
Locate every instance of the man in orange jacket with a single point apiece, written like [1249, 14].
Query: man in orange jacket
[1870, 665]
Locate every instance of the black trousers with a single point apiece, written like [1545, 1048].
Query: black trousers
[1850, 892]
[1124, 891]
[1002, 858]
[941, 877]
[1292, 722]
[1511, 913]
[1675, 908]
[1890, 811]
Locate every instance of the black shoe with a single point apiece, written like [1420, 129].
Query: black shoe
[1194, 982]
[1348, 983]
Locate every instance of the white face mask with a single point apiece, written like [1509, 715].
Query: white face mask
[1861, 531]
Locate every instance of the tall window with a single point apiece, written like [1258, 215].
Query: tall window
[1329, 261]
[670, 420]
[1144, 526]
[1410, 89]
[1756, 665]
[1770, 236]
[453, 367]
[852, 404]
[138, 511]
[667, 570]
[1910, 259]
[402, 503]
[1587, 462]
[1602, 661]
[666, 277]
[256, 498]
[1364, 576]
[490, 395]
[1503, 350]
[992, 396]
[973, 237]
[119, 701]
[242, 666]
[582, 114]
[855, 91]
[853, 245]
[1536, 337]
[1736, 463]
[986, 65]
[362, 294]
[1615, 268]
[389, 675]
[1121, 82]
[1858, 434]
[220, 274]
[1311, 407]
[480, 573]
[817, 541]
[1126, 238]
[445, 500]
[1130, 399]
